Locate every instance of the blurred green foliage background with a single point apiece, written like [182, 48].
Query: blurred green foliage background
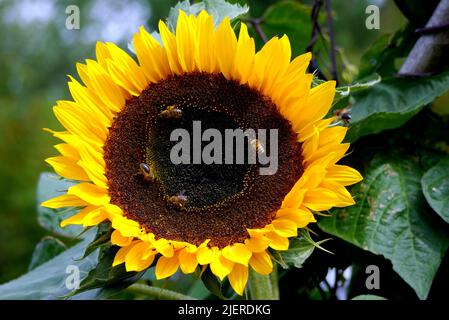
[36, 54]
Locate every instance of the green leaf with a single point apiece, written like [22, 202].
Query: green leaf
[435, 184]
[392, 102]
[212, 283]
[299, 251]
[48, 281]
[45, 250]
[342, 94]
[290, 18]
[384, 55]
[198, 290]
[391, 218]
[107, 277]
[219, 9]
[185, 6]
[368, 297]
[102, 238]
[50, 186]
[187, 284]
[345, 91]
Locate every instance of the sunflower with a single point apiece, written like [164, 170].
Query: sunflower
[233, 216]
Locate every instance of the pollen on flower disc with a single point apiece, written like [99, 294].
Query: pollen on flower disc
[223, 200]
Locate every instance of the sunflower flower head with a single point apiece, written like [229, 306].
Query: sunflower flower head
[117, 145]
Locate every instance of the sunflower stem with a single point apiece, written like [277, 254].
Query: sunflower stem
[263, 287]
[157, 293]
[275, 282]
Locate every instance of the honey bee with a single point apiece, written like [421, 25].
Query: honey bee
[171, 113]
[147, 172]
[344, 115]
[179, 200]
[257, 146]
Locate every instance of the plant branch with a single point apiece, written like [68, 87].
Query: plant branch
[315, 26]
[257, 27]
[429, 51]
[316, 31]
[330, 27]
[433, 29]
[157, 293]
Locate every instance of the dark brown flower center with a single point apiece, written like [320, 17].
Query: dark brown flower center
[197, 201]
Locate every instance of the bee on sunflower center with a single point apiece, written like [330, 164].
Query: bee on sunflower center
[179, 200]
[171, 112]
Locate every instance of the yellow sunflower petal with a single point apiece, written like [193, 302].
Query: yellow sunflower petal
[343, 196]
[257, 244]
[308, 131]
[334, 135]
[83, 73]
[118, 239]
[238, 278]
[245, 53]
[187, 261]
[68, 151]
[76, 122]
[261, 262]
[111, 93]
[338, 152]
[152, 57]
[238, 253]
[164, 247]
[294, 198]
[93, 164]
[311, 145]
[205, 55]
[77, 218]
[276, 64]
[127, 227]
[226, 43]
[278, 242]
[185, 42]
[169, 41]
[320, 98]
[291, 95]
[102, 54]
[285, 228]
[320, 199]
[90, 193]
[132, 74]
[343, 175]
[120, 256]
[95, 217]
[166, 267]
[300, 216]
[299, 64]
[87, 98]
[65, 200]
[120, 76]
[206, 255]
[67, 168]
[135, 260]
[315, 175]
[221, 266]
